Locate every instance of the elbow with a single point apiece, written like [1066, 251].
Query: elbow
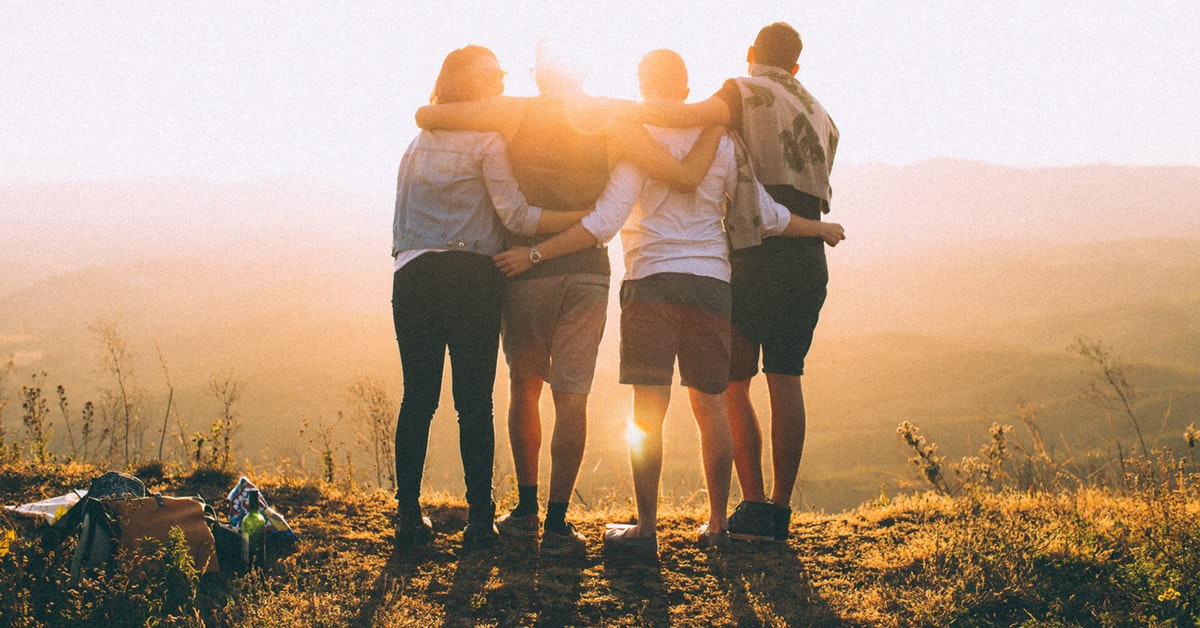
[422, 117]
[687, 182]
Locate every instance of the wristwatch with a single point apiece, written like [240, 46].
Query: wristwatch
[535, 256]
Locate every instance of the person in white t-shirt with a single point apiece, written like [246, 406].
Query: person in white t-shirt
[675, 302]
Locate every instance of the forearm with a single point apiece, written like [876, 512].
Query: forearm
[798, 227]
[635, 145]
[575, 238]
[517, 260]
[499, 114]
[830, 232]
[554, 222]
[676, 114]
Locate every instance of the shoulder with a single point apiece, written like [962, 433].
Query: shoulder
[470, 145]
[731, 88]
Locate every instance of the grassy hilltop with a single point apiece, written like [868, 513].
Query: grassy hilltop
[244, 328]
[1088, 557]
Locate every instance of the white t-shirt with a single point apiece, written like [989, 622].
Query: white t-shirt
[673, 231]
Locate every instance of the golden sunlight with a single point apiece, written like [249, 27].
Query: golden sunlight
[634, 435]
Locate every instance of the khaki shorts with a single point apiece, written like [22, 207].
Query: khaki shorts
[552, 329]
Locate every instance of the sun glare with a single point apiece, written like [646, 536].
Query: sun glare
[634, 435]
[608, 53]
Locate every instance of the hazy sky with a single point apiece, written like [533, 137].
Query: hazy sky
[325, 91]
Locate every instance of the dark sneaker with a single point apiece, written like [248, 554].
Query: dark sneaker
[783, 521]
[719, 540]
[753, 521]
[617, 540]
[480, 535]
[562, 544]
[481, 529]
[410, 533]
[518, 526]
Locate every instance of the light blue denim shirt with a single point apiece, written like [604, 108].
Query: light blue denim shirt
[456, 191]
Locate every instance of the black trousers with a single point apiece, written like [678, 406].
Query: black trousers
[446, 301]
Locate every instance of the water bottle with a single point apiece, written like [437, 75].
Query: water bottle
[254, 532]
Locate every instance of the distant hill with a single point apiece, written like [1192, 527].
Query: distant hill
[932, 203]
[886, 209]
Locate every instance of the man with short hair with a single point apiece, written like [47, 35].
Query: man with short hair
[675, 301]
[779, 286]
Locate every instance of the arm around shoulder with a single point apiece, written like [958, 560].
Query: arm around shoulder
[500, 113]
[634, 144]
[680, 115]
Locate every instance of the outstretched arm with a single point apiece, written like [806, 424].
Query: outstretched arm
[674, 115]
[633, 143]
[499, 113]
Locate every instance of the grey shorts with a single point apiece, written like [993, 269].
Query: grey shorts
[552, 329]
[669, 315]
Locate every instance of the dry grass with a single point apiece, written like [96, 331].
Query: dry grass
[1090, 558]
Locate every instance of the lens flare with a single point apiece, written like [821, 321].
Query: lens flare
[634, 435]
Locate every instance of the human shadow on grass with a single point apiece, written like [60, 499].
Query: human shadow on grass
[769, 579]
[533, 588]
[637, 584]
[459, 595]
[559, 587]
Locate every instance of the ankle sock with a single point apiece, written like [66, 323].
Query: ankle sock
[526, 500]
[556, 517]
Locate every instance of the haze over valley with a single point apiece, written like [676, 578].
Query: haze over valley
[955, 298]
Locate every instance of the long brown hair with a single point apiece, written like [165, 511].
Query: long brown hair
[454, 82]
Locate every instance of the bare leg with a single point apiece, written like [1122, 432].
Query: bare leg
[788, 424]
[747, 441]
[566, 445]
[649, 410]
[525, 428]
[717, 449]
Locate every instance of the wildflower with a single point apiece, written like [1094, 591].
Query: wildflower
[1168, 595]
[6, 539]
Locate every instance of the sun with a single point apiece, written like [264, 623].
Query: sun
[609, 51]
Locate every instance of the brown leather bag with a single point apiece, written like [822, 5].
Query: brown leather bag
[153, 517]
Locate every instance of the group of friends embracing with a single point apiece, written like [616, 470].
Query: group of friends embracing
[503, 207]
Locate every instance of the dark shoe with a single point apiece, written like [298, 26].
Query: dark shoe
[616, 540]
[481, 530]
[713, 540]
[480, 536]
[517, 526]
[783, 521]
[753, 521]
[571, 542]
[413, 532]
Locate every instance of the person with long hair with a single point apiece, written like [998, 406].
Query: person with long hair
[455, 195]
